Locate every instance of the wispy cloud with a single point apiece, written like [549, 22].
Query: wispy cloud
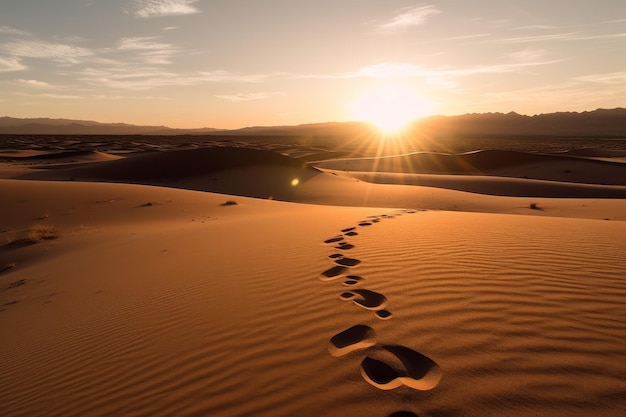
[386, 70]
[566, 95]
[541, 38]
[72, 39]
[129, 78]
[62, 96]
[149, 51]
[405, 70]
[617, 78]
[33, 83]
[535, 27]
[11, 64]
[463, 37]
[142, 43]
[527, 55]
[247, 96]
[62, 53]
[10, 30]
[409, 17]
[569, 36]
[157, 8]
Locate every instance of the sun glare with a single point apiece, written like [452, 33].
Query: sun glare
[390, 108]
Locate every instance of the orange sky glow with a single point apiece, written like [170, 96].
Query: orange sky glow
[231, 64]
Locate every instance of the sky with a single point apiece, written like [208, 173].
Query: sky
[237, 63]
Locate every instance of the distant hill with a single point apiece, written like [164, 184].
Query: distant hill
[45, 126]
[597, 123]
[600, 123]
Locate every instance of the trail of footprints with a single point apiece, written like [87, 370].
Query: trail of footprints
[385, 366]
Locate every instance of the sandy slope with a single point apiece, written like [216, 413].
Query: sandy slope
[264, 174]
[553, 167]
[162, 301]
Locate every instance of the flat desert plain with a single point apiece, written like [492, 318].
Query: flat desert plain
[239, 280]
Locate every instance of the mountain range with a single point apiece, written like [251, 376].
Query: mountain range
[597, 123]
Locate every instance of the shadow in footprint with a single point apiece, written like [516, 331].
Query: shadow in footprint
[355, 338]
[365, 224]
[393, 366]
[351, 234]
[347, 262]
[334, 239]
[344, 246]
[352, 280]
[369, 300]
[403, 414]
[384, 314]
[332, 273]
[348, 229]
[335, 255]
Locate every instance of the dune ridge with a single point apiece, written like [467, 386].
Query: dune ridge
[551, 167]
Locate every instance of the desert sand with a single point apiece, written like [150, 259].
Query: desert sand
[140, 280]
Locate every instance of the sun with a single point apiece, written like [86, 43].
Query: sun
[390, 108]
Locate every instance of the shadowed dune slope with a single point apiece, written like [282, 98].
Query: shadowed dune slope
[596, 152]
[236, 171]
[502, 186]
[175, 164]
[48, 157]
[492, 162]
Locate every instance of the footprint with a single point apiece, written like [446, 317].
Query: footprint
[352, 280]
[347, 262]
[355, 338]
[351, 234]
[393, 366]
[335, 255]
[384, 314]
[332, 273]
[334, 239]
[369, 300]
[365, 224]
[348, 229]
[344, 246]
[403, 414]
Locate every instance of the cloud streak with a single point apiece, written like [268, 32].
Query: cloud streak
[567, 36]
[613, 78]
[11, 64]
[129, 78]
[149, 51]
[159, 8]
[409, 17]
[10, 30]
[405, 70]
[33, 83]
[247, 96]
[61, 53]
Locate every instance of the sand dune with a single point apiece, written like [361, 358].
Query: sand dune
[492, 185]
[497, 163]
[348, 298]
[177, 164]
[265, 174]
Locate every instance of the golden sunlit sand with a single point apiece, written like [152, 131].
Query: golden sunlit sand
[237, 282]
